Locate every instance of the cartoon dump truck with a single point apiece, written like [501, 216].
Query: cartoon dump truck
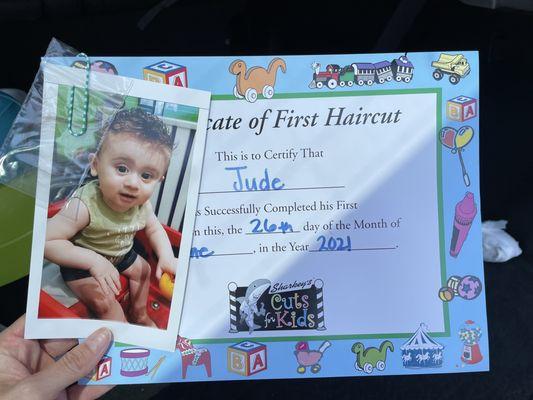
[455, 65]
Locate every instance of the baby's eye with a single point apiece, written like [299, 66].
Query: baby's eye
[122, 169]
[146, 176]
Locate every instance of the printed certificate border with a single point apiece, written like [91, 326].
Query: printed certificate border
[442, 251]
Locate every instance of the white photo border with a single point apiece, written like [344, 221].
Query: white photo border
[54, 328]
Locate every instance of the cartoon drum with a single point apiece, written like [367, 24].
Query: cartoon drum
[134, 362]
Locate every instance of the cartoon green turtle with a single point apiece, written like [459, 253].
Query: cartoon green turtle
[367, 360]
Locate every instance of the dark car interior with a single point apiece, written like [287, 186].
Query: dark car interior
[501, 30]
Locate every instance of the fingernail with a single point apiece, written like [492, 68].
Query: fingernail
[99, 340]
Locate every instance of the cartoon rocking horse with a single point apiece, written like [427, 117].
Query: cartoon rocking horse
[193, 356]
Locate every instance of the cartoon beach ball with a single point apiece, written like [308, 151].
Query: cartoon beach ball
[469, 287]
[446, 294]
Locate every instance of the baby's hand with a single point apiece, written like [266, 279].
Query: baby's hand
[168, 265]
[107, 275]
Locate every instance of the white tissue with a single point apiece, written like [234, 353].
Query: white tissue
[498, 245]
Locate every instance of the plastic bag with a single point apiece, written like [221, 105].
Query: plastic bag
[498, 245]
[76, 133]
[59, 163]
[20, 150]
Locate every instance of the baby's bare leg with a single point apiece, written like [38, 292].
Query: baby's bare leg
[138, 275]
[103, 305]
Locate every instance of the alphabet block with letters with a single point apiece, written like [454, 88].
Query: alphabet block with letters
[461, 108]
[247, 358]
[166, 72]
[102, 369]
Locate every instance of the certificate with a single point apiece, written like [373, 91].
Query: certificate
[337, 228]
[321, 203]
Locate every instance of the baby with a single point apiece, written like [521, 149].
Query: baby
[91, 238]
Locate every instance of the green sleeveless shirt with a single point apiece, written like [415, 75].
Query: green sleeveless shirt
[109, 232]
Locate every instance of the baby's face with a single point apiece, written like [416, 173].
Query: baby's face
[128, 170]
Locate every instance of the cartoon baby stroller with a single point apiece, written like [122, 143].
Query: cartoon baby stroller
[309, 358]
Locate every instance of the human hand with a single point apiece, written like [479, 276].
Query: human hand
[166, 264]
[28, 369]
[106, 274]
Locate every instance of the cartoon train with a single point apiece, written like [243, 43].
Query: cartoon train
[329, 77]
[399, 69]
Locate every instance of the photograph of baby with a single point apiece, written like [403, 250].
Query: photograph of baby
[116, 213]
[91, 237]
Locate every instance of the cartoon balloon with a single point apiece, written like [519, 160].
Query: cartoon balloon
[463, 137]
[447, 137]
[456, 140]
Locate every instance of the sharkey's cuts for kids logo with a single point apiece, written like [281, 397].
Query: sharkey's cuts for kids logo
[263, 306]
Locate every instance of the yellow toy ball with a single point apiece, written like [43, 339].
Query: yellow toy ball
[446, 294]
[166, 285]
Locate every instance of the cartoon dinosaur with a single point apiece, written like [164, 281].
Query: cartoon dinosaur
[250, 83]
[367, 360]
[248, 303]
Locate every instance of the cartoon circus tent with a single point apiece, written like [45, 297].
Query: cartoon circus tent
[420, 351]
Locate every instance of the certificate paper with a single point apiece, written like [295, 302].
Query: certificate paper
[311, 206]
[337, 228]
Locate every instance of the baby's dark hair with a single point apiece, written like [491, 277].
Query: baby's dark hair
[140, 124]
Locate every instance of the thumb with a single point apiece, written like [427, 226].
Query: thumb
[158, 272]
[74, 365]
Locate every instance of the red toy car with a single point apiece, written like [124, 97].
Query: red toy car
[52, 305]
